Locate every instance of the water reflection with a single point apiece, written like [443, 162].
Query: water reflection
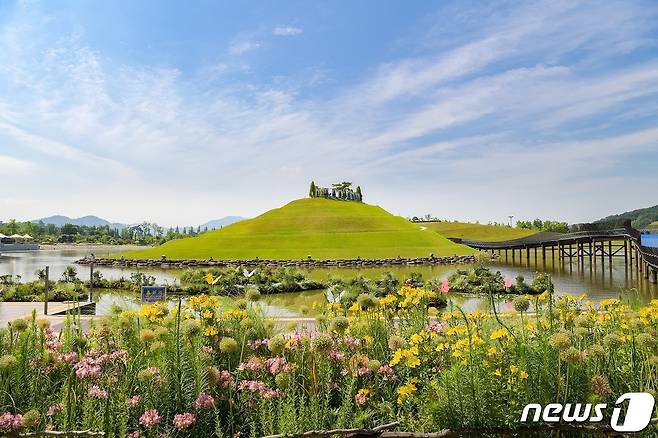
[600, 280]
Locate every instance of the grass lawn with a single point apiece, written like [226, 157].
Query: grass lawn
[324, 229]
[488, 233]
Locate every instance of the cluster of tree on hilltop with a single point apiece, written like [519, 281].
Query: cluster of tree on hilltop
[342, 190]
[639, 218]
[143, 234]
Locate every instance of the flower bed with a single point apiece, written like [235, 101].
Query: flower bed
[201, 370]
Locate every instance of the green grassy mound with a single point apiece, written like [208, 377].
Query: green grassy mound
[321, 228]
[487, 233]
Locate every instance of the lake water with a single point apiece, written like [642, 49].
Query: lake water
[608, 280]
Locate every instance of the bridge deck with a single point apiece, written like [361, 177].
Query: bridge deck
[620, 243]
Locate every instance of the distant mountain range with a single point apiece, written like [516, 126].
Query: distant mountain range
[218, 223]
[92, 221]
[89, 221]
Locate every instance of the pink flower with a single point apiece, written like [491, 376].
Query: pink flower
[204, 401]
[96, 392]
[445, 287]
[183, 421]
[253, 364]
[9, 422]
[361, 398]
[387, 372]
[52, 410]
[134, 401]
[336, 355]
[256, 386]
[275, 365]
[134, 434]
[508, 283]
[150, 418]
[207, 349]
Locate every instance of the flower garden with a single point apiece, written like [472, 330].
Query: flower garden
[199, 369]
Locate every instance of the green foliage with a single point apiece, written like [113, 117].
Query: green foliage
[142, 234]
[547, 225]
[236, 374]
[640, 218]
[481, 280]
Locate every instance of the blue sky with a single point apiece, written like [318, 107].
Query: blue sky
[179, 112]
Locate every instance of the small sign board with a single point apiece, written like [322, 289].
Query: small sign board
[649, 240]
[151, 294]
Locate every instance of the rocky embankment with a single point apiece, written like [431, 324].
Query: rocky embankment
[303, 263]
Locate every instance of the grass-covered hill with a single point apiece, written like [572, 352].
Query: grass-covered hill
[468, 231]
[321, 228]
[640, 218]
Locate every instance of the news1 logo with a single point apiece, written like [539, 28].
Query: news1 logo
[638, 412]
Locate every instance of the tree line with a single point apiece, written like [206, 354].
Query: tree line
[146, 233]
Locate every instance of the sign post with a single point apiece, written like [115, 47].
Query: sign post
[151, 294]
[45, 292]
[91, 282]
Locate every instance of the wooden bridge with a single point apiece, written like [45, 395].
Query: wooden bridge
[596, 246]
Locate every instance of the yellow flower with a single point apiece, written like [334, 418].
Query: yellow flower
[405, 391]
[456, 353]
[513, 369]
[207, 314]
[610, 302]
[498, 372]
[209, 278]
[523, 375]
[397, 356]
[497, 334]
[210, 331]
[412, 362]
[368, 339]
[493, 350]
[388, 299]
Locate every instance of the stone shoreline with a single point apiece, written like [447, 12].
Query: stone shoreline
[303, 263]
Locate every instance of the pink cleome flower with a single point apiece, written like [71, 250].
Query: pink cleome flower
[150, 418]
[508, 283]
[445, 287]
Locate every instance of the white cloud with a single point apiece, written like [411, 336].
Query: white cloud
[11, 165]
[240, 47]
[287, 31]
[139, 141]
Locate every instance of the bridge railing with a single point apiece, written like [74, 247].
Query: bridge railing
[529, 241]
